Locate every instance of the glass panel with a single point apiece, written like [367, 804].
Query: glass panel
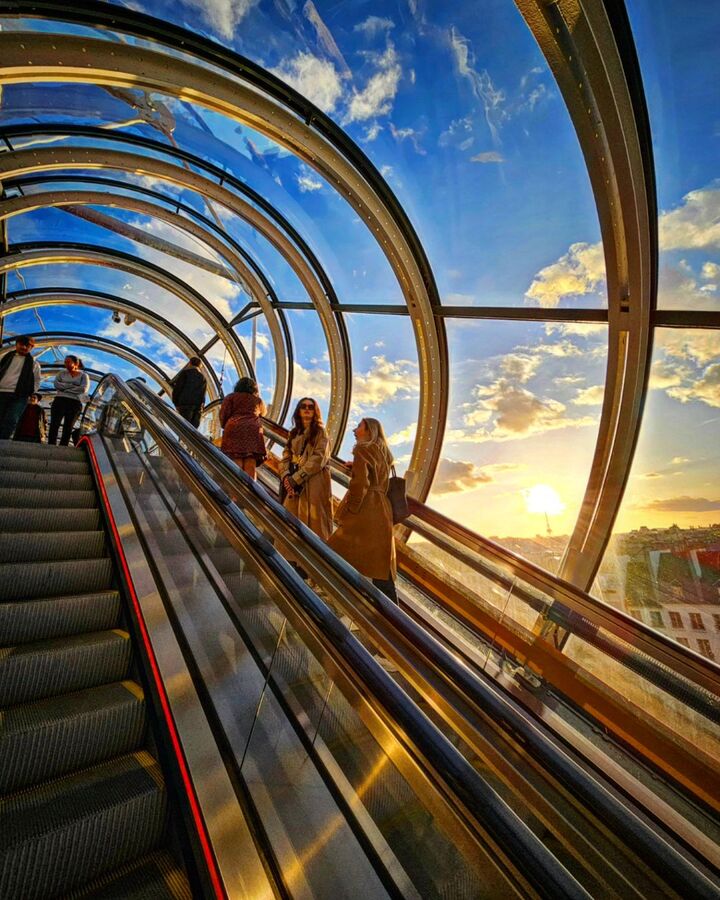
[255, 336]
[311, 374]
[525, 402]
[680, 56]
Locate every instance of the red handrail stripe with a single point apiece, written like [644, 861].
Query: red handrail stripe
[200, 826]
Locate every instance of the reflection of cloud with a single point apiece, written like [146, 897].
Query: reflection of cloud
[693, 224]
[681, 504]
[591, 396]
[580, 271]
[491, 156]
[314, 78]
[452, 476]
[223, 16]
[325, 38]
[374, 26]
[484, 90]
[376, 98]
[308, 183]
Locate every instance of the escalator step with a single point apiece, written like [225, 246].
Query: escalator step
[49, 481]
[51, 737]
[156, 877]
[53, 545]
[60, 835]
[24, 581]
[54, 617]
[31, 498]
[23, 463]
[29, 520]
[42, 451]
[48, 668]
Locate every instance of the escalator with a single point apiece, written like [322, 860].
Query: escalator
[84, 806]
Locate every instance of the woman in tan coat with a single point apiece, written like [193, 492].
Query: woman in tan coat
[365, 527]
[304, 469]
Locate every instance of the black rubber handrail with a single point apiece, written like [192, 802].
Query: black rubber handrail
[474, 686]
[449, 767]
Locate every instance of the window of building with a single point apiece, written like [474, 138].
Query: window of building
[696, 622]
[705, 648]
[656, 620]
[676, 620]
[684, 641]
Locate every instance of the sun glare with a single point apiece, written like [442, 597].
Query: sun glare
[541, 498]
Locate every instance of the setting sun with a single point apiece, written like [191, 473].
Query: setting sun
[541, 498]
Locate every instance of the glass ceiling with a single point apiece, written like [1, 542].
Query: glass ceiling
[462, 118]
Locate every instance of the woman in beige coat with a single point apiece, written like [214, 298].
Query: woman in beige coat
[304, 469]
[365, 527]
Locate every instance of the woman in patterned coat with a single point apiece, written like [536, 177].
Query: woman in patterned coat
[243, 439]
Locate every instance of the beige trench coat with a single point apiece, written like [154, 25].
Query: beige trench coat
[313, 505]
[365, 528]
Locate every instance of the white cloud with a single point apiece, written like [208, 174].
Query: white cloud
[385, 380]
[316, 79]
[325, 38]
[404, 436]
[706, 388]
[371, 133]
[679, 460]
[376, 98]
[407, 134]
[491, 156]
[695, 224]
[710, 271]
[311, 382]
[223, 16]
[452, 476]
[579, 272]
[664, 374]
[307, 183]
[459, 134]
[374, 26]
[520, 367]
[591, 396]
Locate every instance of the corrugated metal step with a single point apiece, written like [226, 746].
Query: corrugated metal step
[57, 735]
[60, 835]
[27, 520]
[20, 581]
[21, 463]
[49, 668]
[155, 877]
[51, 481]
[53, 617]
[42, 451]
[51, 546]
[32, 498]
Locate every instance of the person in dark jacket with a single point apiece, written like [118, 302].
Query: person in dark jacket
[32, 426]
[19, 377]
[189, 388]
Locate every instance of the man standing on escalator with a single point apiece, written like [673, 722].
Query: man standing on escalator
[188, 391]
[19, 378]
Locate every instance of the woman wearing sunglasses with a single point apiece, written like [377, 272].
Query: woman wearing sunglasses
[304, 473]
[365, 526]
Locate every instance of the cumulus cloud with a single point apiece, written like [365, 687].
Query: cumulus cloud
[679, 289]
[695, 224]
[453, 476]
[665, 374]
[710, 271]
[591, 396]
[699, 347]
[491, 156]
[374, 26]
[385, 380]
[706, 388]
[223, 16]
[316, 79]
[681, 504]
[520, 367]
[484, 90]
[579, 272]
[313, 382]
[404, 436]
[376, 98]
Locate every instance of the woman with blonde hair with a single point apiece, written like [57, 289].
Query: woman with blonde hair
[365, 527]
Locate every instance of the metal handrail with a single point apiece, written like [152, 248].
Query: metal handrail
[486, 810]
[577, 610]
[480, 691]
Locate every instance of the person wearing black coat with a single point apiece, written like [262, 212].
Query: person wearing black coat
[189, 388]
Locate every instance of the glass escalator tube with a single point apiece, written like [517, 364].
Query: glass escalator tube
[470, 798]
[675, 868]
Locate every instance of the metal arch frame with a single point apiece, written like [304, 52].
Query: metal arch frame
[17, 301]
[590, 49]
[246, 93]
[18, 205]
[17, 163]
[58, 252]
[78, 339]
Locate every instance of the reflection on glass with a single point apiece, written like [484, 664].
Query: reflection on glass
[525, 402]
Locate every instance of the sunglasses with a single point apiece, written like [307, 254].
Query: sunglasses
[307, 406]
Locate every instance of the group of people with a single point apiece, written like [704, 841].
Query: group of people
[22, 418]
[364, 533]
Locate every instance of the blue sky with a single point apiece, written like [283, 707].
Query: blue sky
[455, 106]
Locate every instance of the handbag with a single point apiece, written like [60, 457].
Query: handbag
[397, 495]
[291, 471]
